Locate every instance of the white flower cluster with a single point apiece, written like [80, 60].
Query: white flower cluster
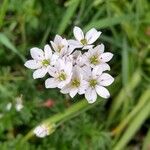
[74, 66]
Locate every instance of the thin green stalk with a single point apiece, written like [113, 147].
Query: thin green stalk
[123, 95]
[133, 127]
[69, 113]
[143, 100]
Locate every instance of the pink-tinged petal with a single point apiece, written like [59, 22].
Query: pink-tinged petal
[54, 46]
[64, 42]
[78, 33]
[37, 53]
[103, 92]
[33, 64]
[99, 48]
[57, 39]
[97, 71]
[91, 95]
[48, 51]
[73, 44]
[65, 89]
[105, 57]
[52, 71]
[106, 79]
[104, 66]
[87, 46]
[51, 83]
[40, 73]
[73, 92]
[92, 35]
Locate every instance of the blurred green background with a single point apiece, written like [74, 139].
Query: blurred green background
[122, 122]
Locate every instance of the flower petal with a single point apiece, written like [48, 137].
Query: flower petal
[73, 92]
[104, 66]
[103, 92]
[39, 73]
[73, 44]
[51, 83]
[57, 39]
[33, 64]
[106, 79]
[37, 53]
[54, 46]
[48, 51]
[87, 46]
[92, 35]
[97, 71]
[105, 57]
[91, 95]
[78, 33]
[99, 48]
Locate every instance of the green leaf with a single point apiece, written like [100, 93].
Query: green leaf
[7, 43]
[68, 15]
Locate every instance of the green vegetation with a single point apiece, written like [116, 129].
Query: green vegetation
[119, 123]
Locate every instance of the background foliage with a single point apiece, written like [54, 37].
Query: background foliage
[122, 122]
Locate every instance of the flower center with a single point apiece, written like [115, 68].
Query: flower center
[60, 47]
[94, 60]
[46, 62]
[62, 76]
[75, 83]
[93, 82]
[84, 41]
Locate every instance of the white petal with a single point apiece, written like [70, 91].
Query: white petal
[37, 53]
[57, 39]
[103, 92]
[51, 83]
[64, 42]
[105, 57]
[54, 46]
[73, 92]
[104, 66]
[33, 64]
[40, 73]
[78, 33]
[74, 44]
[106, 79]
[97, 71]
[91, 95]
[87, 46]
[99, 48]
[48, 51]
[65, 89]
[92, 35]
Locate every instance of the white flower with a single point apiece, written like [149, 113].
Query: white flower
[75, 85]
[9, 106]
[41, 61]
[61, 46]
[19, 104]
[84, 41]
[61, 74]
[97, 57]
[95, 82]
[41, 131]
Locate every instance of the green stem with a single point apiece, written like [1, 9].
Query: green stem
[69, 113]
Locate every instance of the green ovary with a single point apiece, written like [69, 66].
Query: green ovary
[75, 83]
[93, 82]
[94, 60]
[62, 76]
[46, 62]
[84, 41]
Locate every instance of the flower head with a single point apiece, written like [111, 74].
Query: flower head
[95, 82]
[84, 41]
[61, 74]
[75, 85]
[41, 61]
[41, 131]
[96, 57]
